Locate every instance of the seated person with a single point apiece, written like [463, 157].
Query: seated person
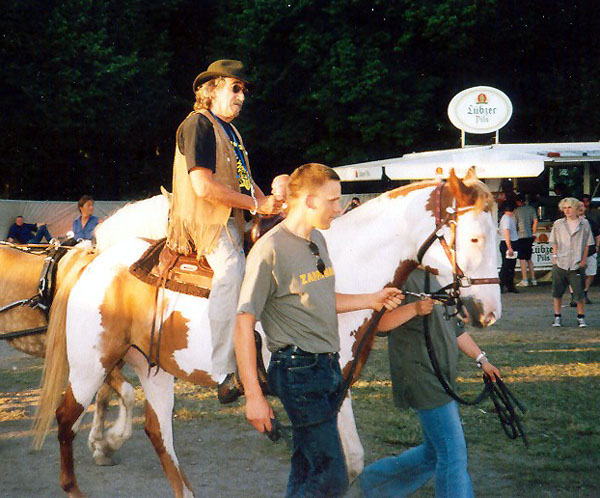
[27, 233]
[84, 226]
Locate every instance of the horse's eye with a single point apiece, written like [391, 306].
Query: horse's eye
[474, 240]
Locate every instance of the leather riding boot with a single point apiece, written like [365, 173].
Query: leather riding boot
[230, 389]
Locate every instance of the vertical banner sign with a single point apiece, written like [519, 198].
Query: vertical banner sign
[481, 109]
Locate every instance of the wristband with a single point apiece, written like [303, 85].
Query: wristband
[253, 211]
[482, 358]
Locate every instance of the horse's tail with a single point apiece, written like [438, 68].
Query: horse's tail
[55, 373]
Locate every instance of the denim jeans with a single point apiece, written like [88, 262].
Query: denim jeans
[308, 387]
[41, 233]
[443, 454]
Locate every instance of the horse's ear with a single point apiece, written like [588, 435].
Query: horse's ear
[471, 176]
[459, 190]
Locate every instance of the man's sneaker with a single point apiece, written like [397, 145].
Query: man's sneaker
[581, 322]
[557, 321]
[523, 283]
[534, 282]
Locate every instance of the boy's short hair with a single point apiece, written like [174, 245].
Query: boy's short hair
[309, 176]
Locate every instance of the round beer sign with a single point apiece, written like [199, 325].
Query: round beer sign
[481, 109]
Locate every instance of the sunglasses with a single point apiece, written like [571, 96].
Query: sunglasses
[237, 88]
[314, 248]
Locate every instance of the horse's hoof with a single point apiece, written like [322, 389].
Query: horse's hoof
[103, 460]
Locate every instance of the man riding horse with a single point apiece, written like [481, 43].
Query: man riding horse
[213, 193]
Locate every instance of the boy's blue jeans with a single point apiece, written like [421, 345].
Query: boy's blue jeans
[443, 454]
[308, 386]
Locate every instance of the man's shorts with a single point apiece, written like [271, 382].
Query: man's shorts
[561, 279]
[524, 246]
[592, 265]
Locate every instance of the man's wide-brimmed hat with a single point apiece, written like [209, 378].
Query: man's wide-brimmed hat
[226, 68]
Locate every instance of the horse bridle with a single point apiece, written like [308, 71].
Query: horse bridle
[450, 218]
[503, 399]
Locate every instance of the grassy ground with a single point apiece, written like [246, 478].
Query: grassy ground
[554, 376]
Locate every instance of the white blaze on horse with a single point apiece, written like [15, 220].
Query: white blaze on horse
[109, 312]
[23, 320]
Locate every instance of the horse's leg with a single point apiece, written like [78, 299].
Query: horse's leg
[67, 413]
[353, 449]
[83, 385]
[159, 411]
[121, 429]
[101, 451]
[101, 444]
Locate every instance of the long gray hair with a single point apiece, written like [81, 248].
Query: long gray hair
[206, 92]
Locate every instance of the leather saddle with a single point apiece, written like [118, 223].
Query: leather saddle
[159, 266]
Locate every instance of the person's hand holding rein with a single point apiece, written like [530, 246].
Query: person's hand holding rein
[424, 306]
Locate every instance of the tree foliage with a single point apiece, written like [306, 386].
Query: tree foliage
[95, 89]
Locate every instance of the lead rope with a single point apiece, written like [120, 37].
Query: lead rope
[498, 391]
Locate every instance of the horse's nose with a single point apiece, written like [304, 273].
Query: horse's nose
[489, 319]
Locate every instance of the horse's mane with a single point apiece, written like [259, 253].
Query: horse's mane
[146, 218]
[478, 193]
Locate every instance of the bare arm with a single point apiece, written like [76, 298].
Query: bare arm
[507, 240]
[534, 227]
[468, 346]
[389, 297]
[258, 411]
[583, 261]
[206, 187]
[403, 314]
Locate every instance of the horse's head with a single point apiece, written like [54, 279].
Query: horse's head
[473, 242]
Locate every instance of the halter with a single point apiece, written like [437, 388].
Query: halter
[459, 279]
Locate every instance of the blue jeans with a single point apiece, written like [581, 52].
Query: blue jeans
[308, 386]
[443, 454]
[41, 233]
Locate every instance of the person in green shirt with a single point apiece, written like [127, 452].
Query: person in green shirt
[443, 453]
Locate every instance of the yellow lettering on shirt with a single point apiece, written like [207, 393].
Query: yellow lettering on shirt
[316, 275]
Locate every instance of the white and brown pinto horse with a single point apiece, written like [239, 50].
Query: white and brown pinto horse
[22, 325]
[109, 313]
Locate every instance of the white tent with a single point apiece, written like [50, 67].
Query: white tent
[490, 161]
